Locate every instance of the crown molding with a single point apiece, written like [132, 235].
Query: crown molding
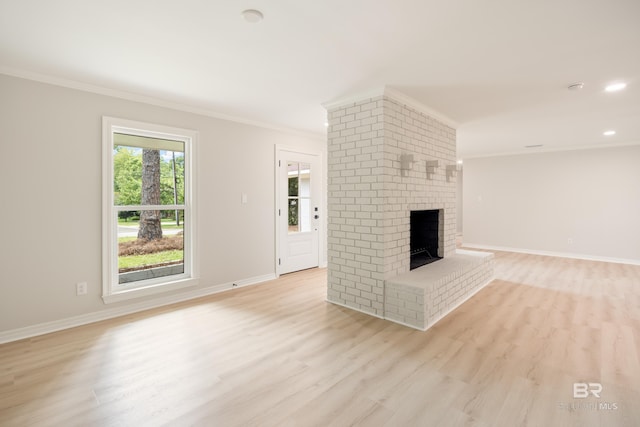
[150, 100]
[353, 98]
[419, 106]
[542, 150]
[395, 95]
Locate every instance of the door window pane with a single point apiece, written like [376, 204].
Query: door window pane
[304, 180]
[292, 173]
[293, 219]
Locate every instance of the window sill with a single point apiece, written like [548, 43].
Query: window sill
[154, 289]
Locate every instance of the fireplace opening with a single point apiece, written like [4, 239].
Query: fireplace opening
[424, 237]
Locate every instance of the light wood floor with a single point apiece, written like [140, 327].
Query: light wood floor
[277, 354]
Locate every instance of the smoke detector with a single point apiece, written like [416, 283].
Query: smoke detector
[252, 16]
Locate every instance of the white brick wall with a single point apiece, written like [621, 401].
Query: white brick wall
[421, 305]
[408, 131]
[369, 200]
[355, 223]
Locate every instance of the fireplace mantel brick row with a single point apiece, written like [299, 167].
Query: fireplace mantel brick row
[369, 203]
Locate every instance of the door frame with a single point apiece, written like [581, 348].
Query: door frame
[321, 201]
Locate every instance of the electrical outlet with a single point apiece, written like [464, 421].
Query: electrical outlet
[81, 288]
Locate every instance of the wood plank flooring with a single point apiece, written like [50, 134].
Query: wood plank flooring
[277, 354]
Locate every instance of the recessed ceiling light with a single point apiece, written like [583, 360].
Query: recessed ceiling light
[609, 132]
[459, 162]
[614, 87]
[252, 16]
[326, 124]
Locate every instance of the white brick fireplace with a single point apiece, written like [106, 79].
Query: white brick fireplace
[387, 157]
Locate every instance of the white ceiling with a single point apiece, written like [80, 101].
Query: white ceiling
[498, 68]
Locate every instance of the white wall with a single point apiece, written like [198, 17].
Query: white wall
[50, 187]
[537, 202]
[459, 200]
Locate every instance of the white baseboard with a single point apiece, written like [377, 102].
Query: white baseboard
[110, 313]
[553, 254]
[253, 280]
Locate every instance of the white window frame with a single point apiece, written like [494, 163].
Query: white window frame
[112, 291]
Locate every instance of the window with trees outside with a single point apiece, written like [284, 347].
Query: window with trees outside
[148, 221]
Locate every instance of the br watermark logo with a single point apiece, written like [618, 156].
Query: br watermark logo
[582, 390]
[583, 395]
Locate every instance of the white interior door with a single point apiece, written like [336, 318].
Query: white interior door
[298, 213]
